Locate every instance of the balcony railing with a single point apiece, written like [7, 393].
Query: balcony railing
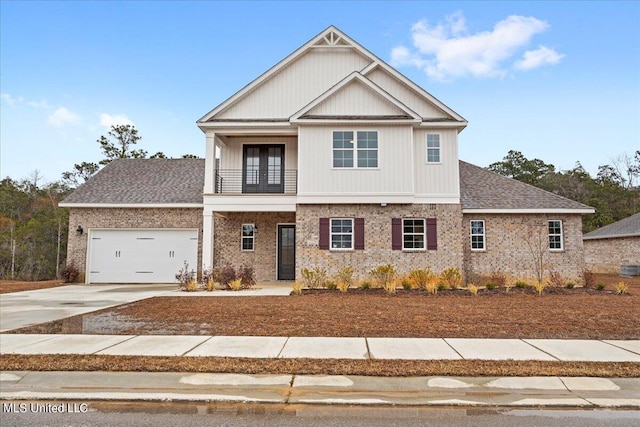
[237, 181]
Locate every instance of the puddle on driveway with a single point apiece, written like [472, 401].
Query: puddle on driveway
[109, 322]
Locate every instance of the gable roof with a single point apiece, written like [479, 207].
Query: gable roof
[144, 183]
[394, 108]
[627, 227]
[485, 191]
[330, 38]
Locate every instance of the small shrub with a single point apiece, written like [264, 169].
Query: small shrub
[226, 275]
[601, 286]
[235, 285]
[332, 286]
[621, 288]
[442, 286]
[473, 289]
[192, 286]
[570, 285]
[343, 287]
[420, 278]
[383, 275]
[499, 278]
[539, 287]
[490, 286]
[208, 275]
[246, 276]
[556, 280]
[297, 288]
[315, 278]
[366, 285]
[588, 279]
[389, 287]
[451, 277]
[406, 284]
[185, 276]
[345, 276]
[69, 273]
[520, 285]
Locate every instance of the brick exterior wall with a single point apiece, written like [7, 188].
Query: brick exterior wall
[607, 255]
[507, 250]
[227, 239]
[377, 226]
[125, 218]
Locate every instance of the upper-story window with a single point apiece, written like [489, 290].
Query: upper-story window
[361, 152]
[555, 235]
[433, 148]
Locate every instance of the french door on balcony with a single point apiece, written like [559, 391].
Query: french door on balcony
[263, 169]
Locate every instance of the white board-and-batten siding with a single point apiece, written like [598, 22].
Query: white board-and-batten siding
[436, 179]
[231, 154]
[318, 177]
[297, 84]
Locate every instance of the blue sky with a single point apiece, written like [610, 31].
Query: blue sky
[559, 81]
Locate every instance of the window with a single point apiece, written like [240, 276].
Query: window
[413, 234]
[361, 154]
[477, 235]
[248, 237]
[433, 148]
[367, 149]
[342, 149]
[341, 233]
[555, 235]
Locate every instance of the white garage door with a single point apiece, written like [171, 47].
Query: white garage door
[139, 255]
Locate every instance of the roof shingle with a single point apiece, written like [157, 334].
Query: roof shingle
[484, 189]
[627, 227]
[143, 181]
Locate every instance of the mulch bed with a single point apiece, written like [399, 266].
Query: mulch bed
[559, 313]
[8, 286]
[382, 368]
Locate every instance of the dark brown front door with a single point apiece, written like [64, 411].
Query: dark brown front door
[286, 252]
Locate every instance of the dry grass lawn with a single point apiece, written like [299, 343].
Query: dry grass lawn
[8, 286]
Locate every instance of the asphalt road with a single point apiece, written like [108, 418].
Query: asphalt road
[188, 415]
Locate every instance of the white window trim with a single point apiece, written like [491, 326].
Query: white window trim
[355, 150]
[424, 236]
[252, 238]
[331, 234]
[472, 235]
[426, 148]
[561, 248]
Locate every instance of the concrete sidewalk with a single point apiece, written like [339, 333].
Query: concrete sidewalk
[325, 347]
[304, 389]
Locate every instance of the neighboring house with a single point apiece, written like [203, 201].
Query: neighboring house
[609, 247]
[331, 158]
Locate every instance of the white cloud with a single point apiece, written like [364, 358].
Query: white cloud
[63, 116]
[13, 101]
[537, 58]
[8, 99]
[107, 120]
[448, 50]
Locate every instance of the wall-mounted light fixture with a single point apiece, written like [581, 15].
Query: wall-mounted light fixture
[79, 230]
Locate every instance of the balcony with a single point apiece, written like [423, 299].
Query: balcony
[256, 181]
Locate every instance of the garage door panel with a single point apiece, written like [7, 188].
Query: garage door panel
[140, 256]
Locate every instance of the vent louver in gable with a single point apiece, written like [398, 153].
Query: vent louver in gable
[332, 39]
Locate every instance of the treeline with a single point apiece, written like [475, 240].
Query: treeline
[33, 229]
[614, 192]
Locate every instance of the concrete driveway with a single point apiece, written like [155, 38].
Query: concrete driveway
[27, 308]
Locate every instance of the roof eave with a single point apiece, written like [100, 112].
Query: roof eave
[559, 211]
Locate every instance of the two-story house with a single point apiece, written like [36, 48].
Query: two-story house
[330, 158]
